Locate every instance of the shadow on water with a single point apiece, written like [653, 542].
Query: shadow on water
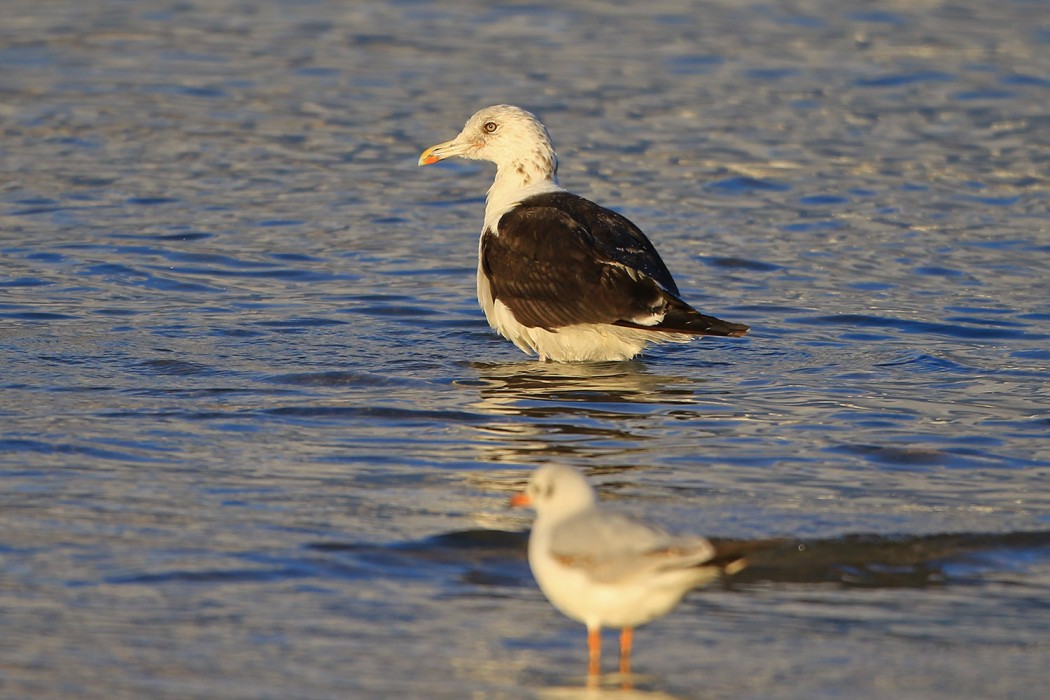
[498, 558]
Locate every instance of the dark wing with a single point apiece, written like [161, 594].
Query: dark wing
[613, 235]
[561, 260]
[544, 265]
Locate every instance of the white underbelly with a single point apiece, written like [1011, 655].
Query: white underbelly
[589, 342]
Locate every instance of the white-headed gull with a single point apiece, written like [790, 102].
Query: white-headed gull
[607, 569]
[558, 275]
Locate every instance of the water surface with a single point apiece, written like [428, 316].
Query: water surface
[257, 438]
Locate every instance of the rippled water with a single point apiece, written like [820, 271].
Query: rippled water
[257, 437]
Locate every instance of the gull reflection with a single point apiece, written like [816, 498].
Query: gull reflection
[540, 389]
[575, 411]
[610, 687]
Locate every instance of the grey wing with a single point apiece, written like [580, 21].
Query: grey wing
[612, 546]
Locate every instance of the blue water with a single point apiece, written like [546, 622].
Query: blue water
[257, 439]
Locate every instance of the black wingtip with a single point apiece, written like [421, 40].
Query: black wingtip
[696, 323]
[731, 330]
[732, 556]
[680, 317]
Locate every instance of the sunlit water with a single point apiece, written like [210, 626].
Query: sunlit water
[257, 438]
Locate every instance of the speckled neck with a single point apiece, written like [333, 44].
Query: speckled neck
[524, 176]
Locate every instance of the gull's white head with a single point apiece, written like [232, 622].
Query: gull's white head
[557, 491]
[510, 137]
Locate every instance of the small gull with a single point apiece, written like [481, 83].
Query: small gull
[607, 569]
[558, 275]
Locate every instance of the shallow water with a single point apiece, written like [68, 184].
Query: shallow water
[258, 439]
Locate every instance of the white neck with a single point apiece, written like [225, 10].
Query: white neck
[513, 183]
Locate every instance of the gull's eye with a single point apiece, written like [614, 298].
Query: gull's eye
[490, 127]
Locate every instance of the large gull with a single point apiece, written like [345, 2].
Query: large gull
[559, 275]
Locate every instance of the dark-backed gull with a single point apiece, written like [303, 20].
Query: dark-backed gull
[558, 275]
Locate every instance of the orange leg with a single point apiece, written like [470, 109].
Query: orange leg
[626, 643]
[594, 649]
